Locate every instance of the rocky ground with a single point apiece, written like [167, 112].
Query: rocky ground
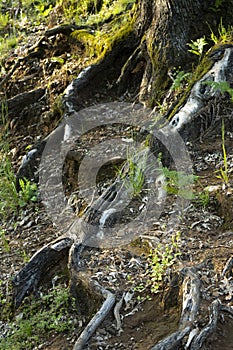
[205, 226]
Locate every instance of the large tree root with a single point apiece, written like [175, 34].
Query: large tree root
[201, 93]
[188, 329]
[191, 302]
[40, 263]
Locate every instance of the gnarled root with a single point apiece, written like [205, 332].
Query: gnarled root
[191, 301]
[99, 292]
[41, 262]
[188, 320]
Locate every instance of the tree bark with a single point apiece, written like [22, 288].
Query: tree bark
[173, 25]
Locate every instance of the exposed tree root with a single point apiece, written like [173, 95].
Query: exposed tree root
[172, 341]
[191, 301]
[106, 307]
[188, 320]
[201, 92]
[15, 105]
[191, 297]
[134, 62]
[209, 328]
[41, 262]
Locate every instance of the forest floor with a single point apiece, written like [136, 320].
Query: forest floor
[205, 228]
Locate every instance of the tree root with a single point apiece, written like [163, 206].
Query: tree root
[41, 262]
[129, 67]
[188, 320]
[201, 92]
[191, 301]
[101, 314]
[16, 104]
[172, 340]
[209, 328]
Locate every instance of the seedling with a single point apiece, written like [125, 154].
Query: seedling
[179, 79]
[197, 46]
[224, 171]
[160, 259]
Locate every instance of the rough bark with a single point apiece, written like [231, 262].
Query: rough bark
[40, 263]
[166, 39]
[16, 104]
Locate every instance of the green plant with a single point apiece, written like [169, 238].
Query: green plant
[28, 192]
[134, 179]
[179, 183]
[222, 86]
[98, 42]
[43, 8]
[203, 198]
[160, 259]
[4, 20]
[25, 256]
[7, 43]
[225, 34]
[4, 241]
[197, 46]
[179, 78]
[224, 171]
[39, 317]
[217, 5]
[11, 200]
[8, 194]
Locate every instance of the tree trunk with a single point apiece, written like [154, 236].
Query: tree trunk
[164, 28]
[173, 25]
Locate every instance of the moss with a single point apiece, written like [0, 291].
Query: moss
[99, 42]
[160, 83]
[203, 67]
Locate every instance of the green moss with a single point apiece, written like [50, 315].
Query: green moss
[99, 42]
[160, 65]
[203, 67]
